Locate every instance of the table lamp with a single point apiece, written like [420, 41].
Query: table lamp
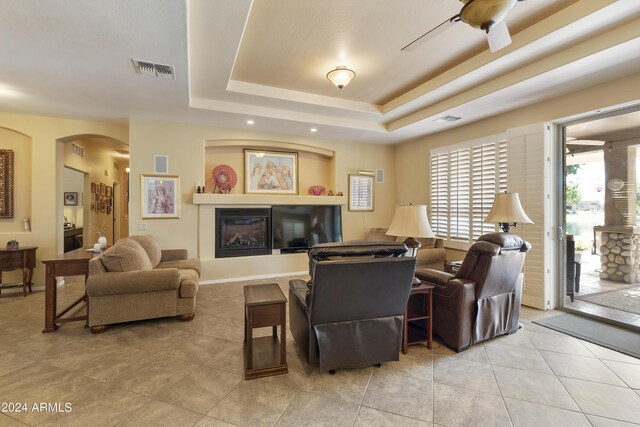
[411, 220]
[507, 211]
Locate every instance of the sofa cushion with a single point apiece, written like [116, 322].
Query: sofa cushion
[151, 247]
[126, 255]
[427, 242]
[188, 283]
[379, 235]
[182, 264]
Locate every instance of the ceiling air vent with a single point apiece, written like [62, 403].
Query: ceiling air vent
[156, 70]
[77, 150]
[447, 119]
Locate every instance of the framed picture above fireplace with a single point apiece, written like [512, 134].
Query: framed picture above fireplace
[270, 172]
[160, 196]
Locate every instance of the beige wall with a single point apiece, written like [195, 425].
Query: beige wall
[185, 146]
[46, 189]
[412, 157]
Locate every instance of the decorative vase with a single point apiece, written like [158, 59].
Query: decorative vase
[316, 190]
[102, 241]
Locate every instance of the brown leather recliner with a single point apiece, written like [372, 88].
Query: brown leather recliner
[483, 299]
[351, 312]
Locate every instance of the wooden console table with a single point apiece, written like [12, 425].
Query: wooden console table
[419, 310]
[13, 259]
[73, 263]
[264, 305]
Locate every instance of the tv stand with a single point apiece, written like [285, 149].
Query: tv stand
[293, 250]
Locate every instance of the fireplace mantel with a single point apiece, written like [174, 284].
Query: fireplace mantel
[265, 199]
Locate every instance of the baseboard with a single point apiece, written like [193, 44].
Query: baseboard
[19, 290]
[245, 278]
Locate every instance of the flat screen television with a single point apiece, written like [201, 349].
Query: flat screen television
[297, 228]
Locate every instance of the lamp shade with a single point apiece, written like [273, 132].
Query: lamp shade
[507, 209]
[411, 221]
[341, 76]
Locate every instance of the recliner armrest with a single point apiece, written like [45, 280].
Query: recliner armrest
[301, 291]
[434, 277]
[132, 282]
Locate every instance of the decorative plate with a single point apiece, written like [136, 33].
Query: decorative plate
[224, 178]
[317, 190]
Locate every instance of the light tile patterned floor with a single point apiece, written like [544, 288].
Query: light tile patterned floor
[168, 373]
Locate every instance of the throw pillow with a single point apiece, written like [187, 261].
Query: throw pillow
[126, 255]
[151, 247]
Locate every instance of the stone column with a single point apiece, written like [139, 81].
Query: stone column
[620, 242]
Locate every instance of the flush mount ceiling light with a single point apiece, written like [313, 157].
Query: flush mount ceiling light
[341, 76]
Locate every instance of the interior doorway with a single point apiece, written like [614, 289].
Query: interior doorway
[74, 211]
[600, 245]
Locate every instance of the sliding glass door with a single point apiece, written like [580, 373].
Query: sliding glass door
[600, 238]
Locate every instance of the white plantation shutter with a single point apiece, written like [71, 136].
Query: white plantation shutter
[459, 186]
[440, 194]
[527, 177]
[464, 181]
[459, 201]
[484, 187]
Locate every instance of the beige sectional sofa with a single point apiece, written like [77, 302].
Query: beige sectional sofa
[430, 255]
[134, 280]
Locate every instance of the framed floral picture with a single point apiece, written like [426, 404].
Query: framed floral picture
[270, 172]
[160, 196]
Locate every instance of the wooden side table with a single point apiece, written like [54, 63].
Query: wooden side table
[264, 305]
[418, 321]
[73, 263]
[24, 259]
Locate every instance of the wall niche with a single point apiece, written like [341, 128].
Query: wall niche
[316, 166]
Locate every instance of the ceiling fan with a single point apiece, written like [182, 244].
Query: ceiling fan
[486, 15]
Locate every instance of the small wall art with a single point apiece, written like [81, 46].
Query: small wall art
[160, 196]
[70, 198]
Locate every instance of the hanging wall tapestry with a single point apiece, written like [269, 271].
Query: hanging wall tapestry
[6, 183]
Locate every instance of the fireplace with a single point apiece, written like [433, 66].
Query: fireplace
[243, 232]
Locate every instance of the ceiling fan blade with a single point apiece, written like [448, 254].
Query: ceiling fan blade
[594, 142]
[498, 36]
[431, 33]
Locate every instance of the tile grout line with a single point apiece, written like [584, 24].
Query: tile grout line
[504, 403]
[363, 396]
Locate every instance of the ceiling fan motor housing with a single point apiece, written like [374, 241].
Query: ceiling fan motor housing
[484, 14]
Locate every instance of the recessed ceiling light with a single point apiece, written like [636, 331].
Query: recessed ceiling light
[250, 122]
[447, 119]
[313, 130]
[7, 92]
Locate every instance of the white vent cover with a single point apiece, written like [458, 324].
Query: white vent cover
[157, 70]
[447, 119]
[77, 150]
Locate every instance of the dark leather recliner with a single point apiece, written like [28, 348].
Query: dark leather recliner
[483, 299]
[351, 312]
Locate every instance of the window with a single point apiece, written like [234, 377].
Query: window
[464, 180]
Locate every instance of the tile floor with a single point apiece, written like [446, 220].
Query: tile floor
[168, 373]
